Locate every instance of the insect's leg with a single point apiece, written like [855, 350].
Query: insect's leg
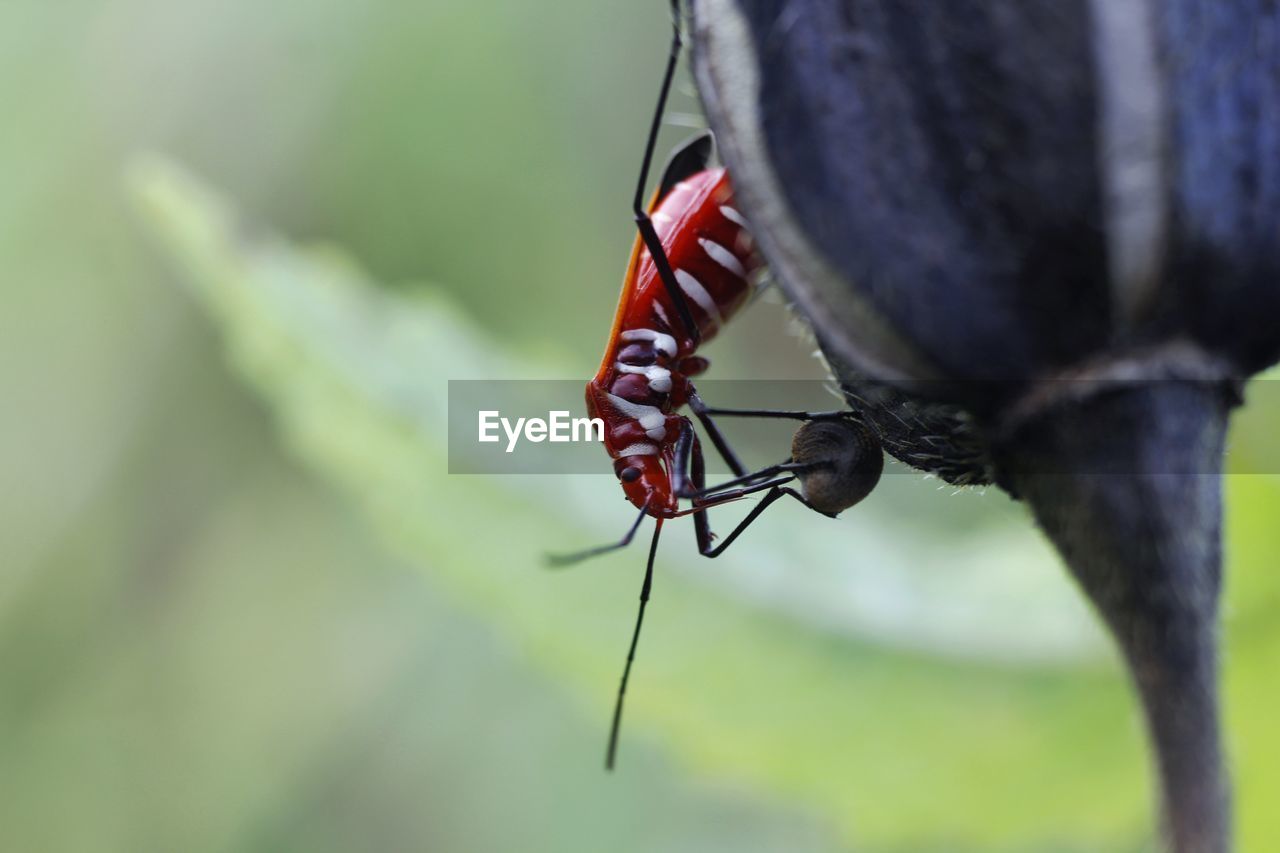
[698, 476]
[787, 414]
[717, 438]
[668, 277]
[702, 411]
[611, 751]
[645, 225]
[773, 495]
[702, 524]
[557, 561]
[709, 498]
[663, 92]
[701, 521]
[681, 480]
[688, 471]
[788, 467]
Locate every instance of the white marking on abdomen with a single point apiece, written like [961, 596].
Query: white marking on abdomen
[722, 256]
[662, 342]
[733, 216]
[694, 290]
[639, 450]
[662, 314]
[659, 377]
[650, 418]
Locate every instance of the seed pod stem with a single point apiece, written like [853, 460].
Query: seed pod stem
[1133, 502]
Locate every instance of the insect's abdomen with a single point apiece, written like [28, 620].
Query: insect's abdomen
[711, 254]
[642, 381]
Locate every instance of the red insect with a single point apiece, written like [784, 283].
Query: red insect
[691, 270]
[644, 377]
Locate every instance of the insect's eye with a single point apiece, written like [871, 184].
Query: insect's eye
[629, 474]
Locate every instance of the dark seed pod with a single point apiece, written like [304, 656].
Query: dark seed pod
[846, 459]
[1036, 240]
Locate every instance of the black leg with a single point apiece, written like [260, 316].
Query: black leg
[681, 482]
[776, 413]
[716, 498]
[788, 467]
[647, 232]
[775, 492]
[698, 476]
[703, 413]
[683, 477]
[701, 520]
[611, 751]
[688, 470]
[557, 561]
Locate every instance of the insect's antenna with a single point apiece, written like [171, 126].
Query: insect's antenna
[612, 750]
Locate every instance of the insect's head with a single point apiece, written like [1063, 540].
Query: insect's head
[644, 480]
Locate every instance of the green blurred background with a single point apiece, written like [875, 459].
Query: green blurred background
[243, 606]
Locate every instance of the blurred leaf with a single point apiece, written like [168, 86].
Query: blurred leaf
[901, 750]
[1252, 656]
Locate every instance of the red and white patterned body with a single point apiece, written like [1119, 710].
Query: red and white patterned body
[644, 377]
